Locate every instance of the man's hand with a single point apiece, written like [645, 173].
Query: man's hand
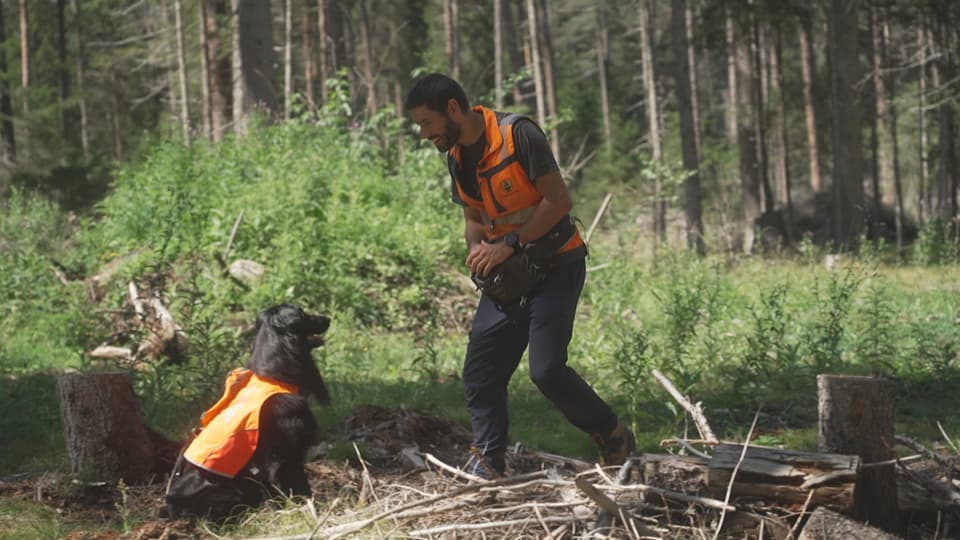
[484, 256]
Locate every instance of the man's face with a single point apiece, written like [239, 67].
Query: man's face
[442, 130]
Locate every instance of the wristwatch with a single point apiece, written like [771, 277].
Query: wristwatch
[513, 240]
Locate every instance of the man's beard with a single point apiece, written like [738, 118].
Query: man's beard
[451, 134]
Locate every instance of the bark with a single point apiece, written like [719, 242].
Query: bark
[692, 63]
[825, 523]
[731, 94]
[883, 151]
[513, 43]
[757, 79]
[105, 436]
[783, 159]
[205, 75]
[7, 137]
[451, 28]
[747, 139]
[221, 79]
[946, 191]
[322, 41]
[856, 417]
[688, 138]
[602, 74]
[25, 70]
[847, 185]
[808, 73]
[309, 66]
[922, 119]
[253, 56]
[535, 62]
[182, 72]
[368, 75]
[287, 57]
[891, 119]
[786, 476]
[498, 54]
[653, 121]
[63, 78]
[546, 45]
[81, 81]
[115, 124]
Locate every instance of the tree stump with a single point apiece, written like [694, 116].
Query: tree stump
[105, 435]
[856, 417]
[785, 476]
[825, 524]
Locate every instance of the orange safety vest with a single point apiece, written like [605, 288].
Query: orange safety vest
[231, 428]
[508, 196]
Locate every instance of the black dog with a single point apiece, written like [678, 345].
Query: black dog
[231, 465]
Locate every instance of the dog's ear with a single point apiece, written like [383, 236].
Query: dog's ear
[286, 319]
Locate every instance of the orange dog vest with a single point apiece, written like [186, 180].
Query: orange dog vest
[231, 428]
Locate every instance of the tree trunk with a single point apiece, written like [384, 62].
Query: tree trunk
[653, 121]
[786, 476]
[182, 72]
[308, 62]
[807, 68]
[514, 45]
[368, 75]
[692, 63]
[922, 117]
[946, 199]
[219, 79]
[856, 417]
[287, 57]
[451, 28]
[602, 74]
[7, 136]
[63, 77]
[747, 138]
[253, 62]
[825, 523]
[885, 180]
[322, 41]
[118, 149]
[688, 137]
[731, 94]
[758, 76]
[498, 54]
[783, 158]
[546, 44]
[535, 62]
[81, 94]
[105, 435]
[25, 71]
[205, 74]
[895, 151]
[847, 222]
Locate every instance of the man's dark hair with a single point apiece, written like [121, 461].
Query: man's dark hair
[435, 91]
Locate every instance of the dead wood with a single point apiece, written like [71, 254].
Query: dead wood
[695, 410]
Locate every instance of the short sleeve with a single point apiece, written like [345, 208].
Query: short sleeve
[533, 150]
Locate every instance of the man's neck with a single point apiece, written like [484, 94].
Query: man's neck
[472, 129]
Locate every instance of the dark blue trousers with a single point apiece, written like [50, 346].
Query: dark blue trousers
[494, 350]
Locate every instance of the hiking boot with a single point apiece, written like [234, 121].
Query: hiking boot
[616, 445]
[485, 467]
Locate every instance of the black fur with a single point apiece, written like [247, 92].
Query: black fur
[281, 351]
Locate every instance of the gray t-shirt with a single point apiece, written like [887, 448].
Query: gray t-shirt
[532, 151]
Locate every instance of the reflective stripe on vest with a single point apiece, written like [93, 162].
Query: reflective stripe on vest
[508, 196]
[231, 427]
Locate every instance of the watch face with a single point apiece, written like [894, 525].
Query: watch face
[511, 239]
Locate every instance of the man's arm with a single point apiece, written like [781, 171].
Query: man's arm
[472, 226]
[555, 205]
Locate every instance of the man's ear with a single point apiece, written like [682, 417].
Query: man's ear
[453, 108]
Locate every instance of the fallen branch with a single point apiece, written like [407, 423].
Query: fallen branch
[484, 526]
[599, 214]
[675, 496]
[733, 475]
[936, 488]
[948, 463]
[452, 470]
[696, 411]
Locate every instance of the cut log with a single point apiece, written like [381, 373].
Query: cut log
[826, 524]
[856, 417]
[785, 476]
[686, 474]
[105, 436]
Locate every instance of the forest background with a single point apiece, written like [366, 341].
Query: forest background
[726, 148]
